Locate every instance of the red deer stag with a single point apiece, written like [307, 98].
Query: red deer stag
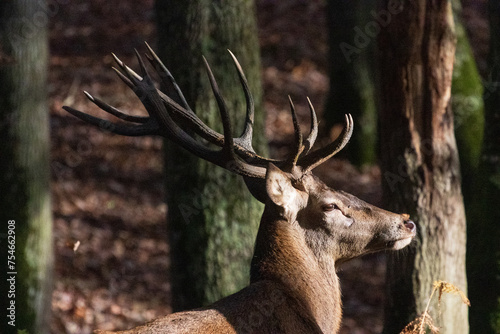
[306, 229]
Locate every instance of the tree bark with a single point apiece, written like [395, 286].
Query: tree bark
[212, 217]
[24, 179]
[419, 160]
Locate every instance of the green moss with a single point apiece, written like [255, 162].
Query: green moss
[467, 104]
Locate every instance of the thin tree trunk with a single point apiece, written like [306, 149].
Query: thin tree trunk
[212, 217]
[420, 167]
[24, 179]
[351, 31]
[468, 107]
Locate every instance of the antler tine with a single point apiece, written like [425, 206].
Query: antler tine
[233, 162]
[229, 146]
[127, 79]
[123, 78]
[142, 66]
[166, 77]
[117, 128]
[316, 158]
[311, 139]
[226, 122]
[125, 68]
[298, 134]
[114, 111]
[245, 139]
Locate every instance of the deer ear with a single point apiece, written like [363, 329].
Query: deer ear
[279, 187]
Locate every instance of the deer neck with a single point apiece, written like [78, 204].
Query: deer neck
[282, 255]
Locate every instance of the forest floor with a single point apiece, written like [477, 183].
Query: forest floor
[111, 269]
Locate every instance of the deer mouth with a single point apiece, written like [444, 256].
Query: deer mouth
[405, 241]
[402, 243]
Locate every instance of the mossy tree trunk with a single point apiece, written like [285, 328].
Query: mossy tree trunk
[212, 217]
[419, 160]
[352, 28]
[468, 107]
[483, 258]
[24, 178]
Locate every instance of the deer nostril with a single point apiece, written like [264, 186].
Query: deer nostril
[410, 226]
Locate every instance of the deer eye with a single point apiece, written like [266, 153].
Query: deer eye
[330, 207]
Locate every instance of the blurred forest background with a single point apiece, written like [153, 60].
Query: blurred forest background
[111, 255]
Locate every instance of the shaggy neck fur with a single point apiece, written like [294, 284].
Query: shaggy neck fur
[282, 255]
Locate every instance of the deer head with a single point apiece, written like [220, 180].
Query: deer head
[307, 228]
[334, 222]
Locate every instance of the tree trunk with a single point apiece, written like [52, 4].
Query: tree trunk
[468, 107]
[25, 210]
[351, 40]
[483, 247]
[419, 160]
[212, 217]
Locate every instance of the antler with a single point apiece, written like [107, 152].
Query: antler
[234, 154]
